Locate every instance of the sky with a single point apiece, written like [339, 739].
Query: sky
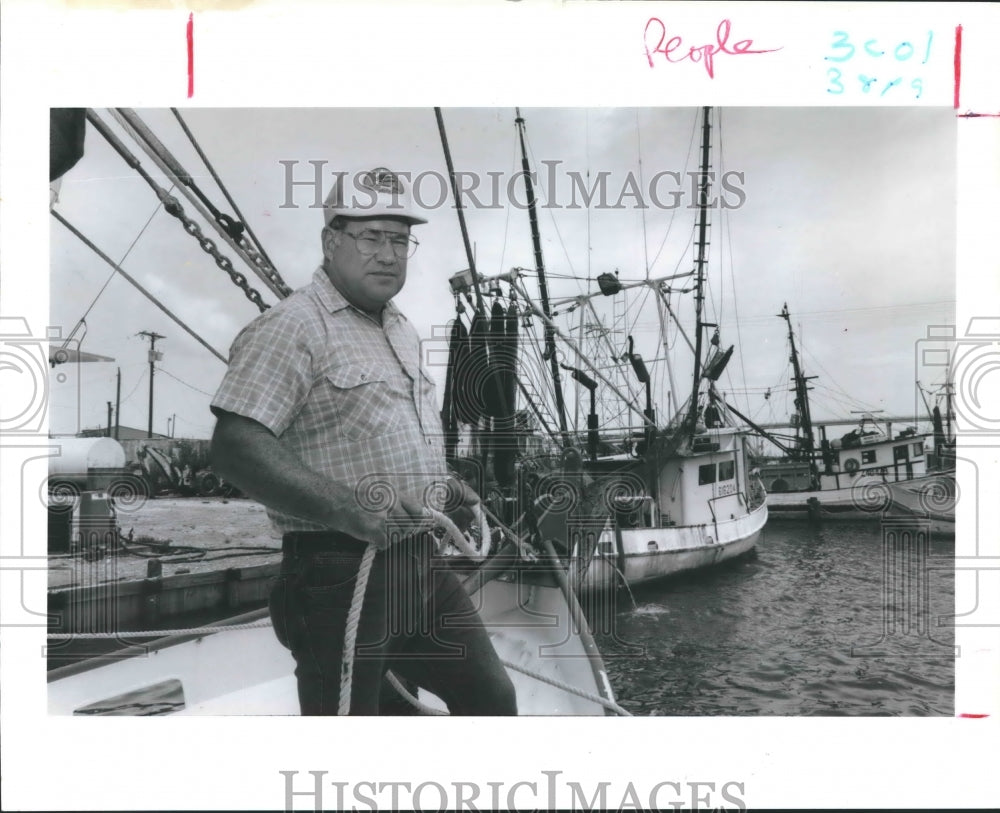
[848, 215]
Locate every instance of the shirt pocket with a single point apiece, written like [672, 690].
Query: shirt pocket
[430, 414]
[366, 400]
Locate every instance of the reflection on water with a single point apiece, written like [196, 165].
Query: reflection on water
[821, 620]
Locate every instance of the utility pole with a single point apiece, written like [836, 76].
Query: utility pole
[153, 358]
[107, 433]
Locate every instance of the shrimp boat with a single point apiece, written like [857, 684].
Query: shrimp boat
[237, 666]
[626, 501]
[867, 473]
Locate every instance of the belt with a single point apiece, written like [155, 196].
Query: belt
[296, 543]
[303, 543]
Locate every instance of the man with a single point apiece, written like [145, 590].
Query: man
[327, 418]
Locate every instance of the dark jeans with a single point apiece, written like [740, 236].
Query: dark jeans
[416, 620]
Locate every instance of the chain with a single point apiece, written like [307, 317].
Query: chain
[173, 207]
[263, 266]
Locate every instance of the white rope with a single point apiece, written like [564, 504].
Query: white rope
[567, 687]
[454, 535]
[351, 631]
[411, 699]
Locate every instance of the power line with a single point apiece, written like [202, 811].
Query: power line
[911, 305]
[137, 383]
[185, 383]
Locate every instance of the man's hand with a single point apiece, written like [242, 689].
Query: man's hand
[455, 500]
[368, 526]
[460, 503]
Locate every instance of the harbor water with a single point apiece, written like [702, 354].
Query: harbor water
[845, 619]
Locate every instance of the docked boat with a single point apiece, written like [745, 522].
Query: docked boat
[625, 501]
[868, 473]
[237, 666]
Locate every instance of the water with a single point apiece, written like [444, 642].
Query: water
[816, 622]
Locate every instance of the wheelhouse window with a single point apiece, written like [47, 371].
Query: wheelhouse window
[727, 470]
[918, 449]
[706, 474]
[868, 456]
[901, 452]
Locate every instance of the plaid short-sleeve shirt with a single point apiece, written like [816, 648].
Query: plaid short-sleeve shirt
[345, 394]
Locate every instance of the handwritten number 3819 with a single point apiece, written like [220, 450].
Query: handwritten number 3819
[836, 87]
[845, 50]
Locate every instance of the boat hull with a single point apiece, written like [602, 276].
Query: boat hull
[930, 499]
[643, 555]
[247, 672]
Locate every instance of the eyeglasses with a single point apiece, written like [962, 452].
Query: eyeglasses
[370, 242]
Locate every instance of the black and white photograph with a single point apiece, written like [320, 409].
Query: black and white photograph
[398, 412]
[725, 528]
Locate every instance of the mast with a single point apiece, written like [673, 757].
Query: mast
[703, 190]
[801, 388]
[470, 257]
[550, 342]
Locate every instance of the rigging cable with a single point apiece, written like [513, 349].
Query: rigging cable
[507, 209]
[586, 130]
[460, 210]
[111, 276]
[673, 211]
[142, 290]
[830, 378]
[732, 271]
[552, 217]
[170, 167]
[642, 185]
[236, 209]
[174, 208]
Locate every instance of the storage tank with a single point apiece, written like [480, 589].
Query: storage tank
[81, 515]
[89, 463]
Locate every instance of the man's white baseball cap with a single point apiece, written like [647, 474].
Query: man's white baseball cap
[374, 193]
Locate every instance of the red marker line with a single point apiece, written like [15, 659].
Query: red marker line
[958, 63]
[974, 716]
[191, 57]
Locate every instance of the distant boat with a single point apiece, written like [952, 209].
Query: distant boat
[865, 474]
